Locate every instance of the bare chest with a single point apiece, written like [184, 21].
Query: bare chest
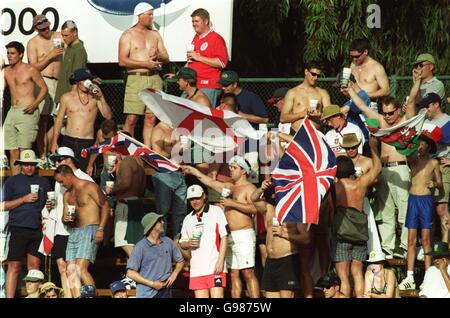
[144, 44]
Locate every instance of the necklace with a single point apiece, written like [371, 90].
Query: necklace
[79, 97]
[195, 92]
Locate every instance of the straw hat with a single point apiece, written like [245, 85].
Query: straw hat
[350, 140]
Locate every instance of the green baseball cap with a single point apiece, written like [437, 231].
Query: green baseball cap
[228, 77]
[186, 73]
[425, 57]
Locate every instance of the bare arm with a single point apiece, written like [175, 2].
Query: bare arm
[102, 104]
[286, 115]
[253, 118]
[211, 61]
[383, 83]
[100, 199]
[209, 182]
[326, 100]
[93, 157]
[43, 90]
[259, 204]
[360, 103]
[246, 208]
[437, 174]
[163, 56]
[51, 56]
[373, 173]
[390, 286]
[59, 123]
[138, 278]
[218, 268]
[10, 205]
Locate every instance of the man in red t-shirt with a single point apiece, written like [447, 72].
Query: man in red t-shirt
[209, 56]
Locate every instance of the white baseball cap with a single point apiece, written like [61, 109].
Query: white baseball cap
[376, 256]
[140, 8]
[34, 275]
[194, 191]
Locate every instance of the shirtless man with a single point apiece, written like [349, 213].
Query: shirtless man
[297, 99]
[351, 142]
[395, 176]
[142, 52]
[87, 225]
[426, 176]
[283, 242]
[369, 73]
[187, 82]
[21, 123]
[170, 187]
[239, 211]
[44, 52]
[350, 193]
[81, 106]
[129, 185]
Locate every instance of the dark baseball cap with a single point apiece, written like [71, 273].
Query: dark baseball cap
[277, 95]
[40, 22]
[81, 74]
[186, 73]
[117, 286]
[228, 77]
[430, 98]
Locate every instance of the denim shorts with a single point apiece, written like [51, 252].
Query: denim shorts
[81, 244]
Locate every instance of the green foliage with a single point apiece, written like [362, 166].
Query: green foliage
[276, 37]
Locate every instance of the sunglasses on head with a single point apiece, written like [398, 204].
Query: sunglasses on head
[389, 113]
[314, 74]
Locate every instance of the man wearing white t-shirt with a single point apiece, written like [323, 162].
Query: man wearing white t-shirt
[336, 119]
[63, 156]
[205, 232]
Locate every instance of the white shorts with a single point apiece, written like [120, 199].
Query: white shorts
[120, 225]
[241, 249]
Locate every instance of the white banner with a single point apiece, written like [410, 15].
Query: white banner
[102, 22]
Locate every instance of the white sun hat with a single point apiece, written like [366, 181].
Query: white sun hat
[140, 8]
[376, 256]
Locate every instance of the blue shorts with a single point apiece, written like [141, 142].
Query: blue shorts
[420, 212]
[81, 244]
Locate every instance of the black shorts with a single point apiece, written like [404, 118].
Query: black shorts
[23, 241]
[281, 274]
[59, 247]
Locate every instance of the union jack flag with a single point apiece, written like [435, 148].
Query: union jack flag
[127, 145]
[303, 176]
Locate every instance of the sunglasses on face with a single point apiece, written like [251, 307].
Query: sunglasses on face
[351, 148]
[354, 57]
[420, 65]
[389, 113]
[61, 159]
[314, 74]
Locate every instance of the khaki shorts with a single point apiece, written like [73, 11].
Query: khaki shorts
[135, 84]
[48, 104]
[20, 130]
[441, 195]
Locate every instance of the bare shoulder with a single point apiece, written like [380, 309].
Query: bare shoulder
[377, 66]
[435, 163]
[32, 42]
[126, 35]
[249, 188]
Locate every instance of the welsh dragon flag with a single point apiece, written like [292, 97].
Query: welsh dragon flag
[404, 137]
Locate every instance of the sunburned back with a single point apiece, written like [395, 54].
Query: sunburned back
[238, 220]
[81, 114]
[350, 193]
[21, 84]
[278, 247]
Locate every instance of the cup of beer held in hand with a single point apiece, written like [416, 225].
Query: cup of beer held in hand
[197, 232]
[71, 212]
[57, 43]
[89, 85]
[358, 171]
[109, 184]
[189, 48]
[34, 188]
[51, 197]
[346, 72]
[111, 161]
[226, 192]
[313, 104]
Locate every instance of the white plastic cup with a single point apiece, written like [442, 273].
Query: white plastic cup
[262, 127]
[226, 192]
[184, 140]
[111, 161]
[34, 188]
[71, 211]
[275, 221]
[313, 104]
[51, 196]
[346, 72]
[57, 43]
[197, 232]
[90, 86]
[358, 171]
[189, 48]
[374, 106]
[110, 184]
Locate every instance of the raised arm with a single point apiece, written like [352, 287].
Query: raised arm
[360, 103]
[369, 177]
[286, 115]
[203, 178]
[410, 110]
[102, 104]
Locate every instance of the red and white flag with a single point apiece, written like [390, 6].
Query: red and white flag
[49, 227]
[214, 129]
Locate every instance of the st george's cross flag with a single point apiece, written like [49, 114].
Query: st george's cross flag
[303, 176]
[49, 220]
[214, 129]
[127, 145]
